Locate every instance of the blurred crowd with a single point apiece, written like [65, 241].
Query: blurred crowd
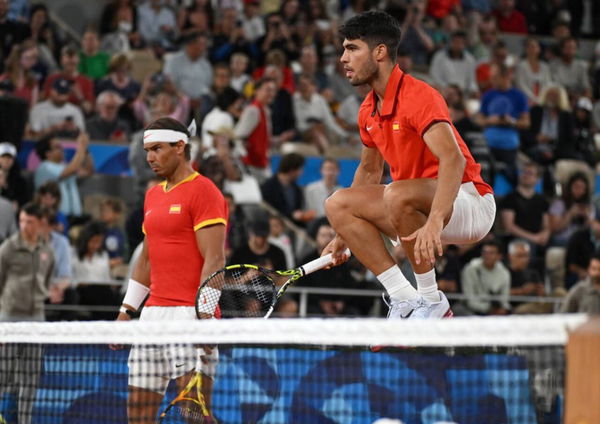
[262, 79]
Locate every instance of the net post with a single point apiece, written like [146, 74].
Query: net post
[583, 374]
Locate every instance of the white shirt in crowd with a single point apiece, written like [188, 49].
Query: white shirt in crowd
[193, 78]
[46, 114]
[318, 109]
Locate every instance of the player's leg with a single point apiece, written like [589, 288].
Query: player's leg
[409, 204]
[142, 405]
[359, 216]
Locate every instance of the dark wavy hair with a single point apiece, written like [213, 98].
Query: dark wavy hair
[89, 230]
[374, 27]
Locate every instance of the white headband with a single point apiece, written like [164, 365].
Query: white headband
[169, 136]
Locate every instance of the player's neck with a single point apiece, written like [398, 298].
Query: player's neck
[379, 84]
[181, 173]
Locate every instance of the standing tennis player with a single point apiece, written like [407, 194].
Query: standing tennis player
[184, 224]
[437, 195]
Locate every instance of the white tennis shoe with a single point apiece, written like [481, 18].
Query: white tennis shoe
[419, 308]
[435, 310]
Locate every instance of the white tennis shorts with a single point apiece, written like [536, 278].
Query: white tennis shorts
[472, 217]
[151, 367]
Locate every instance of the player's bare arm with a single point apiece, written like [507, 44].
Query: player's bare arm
[440, 140]
[211, 244]
[140, 275]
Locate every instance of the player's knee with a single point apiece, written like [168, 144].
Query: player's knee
[335, 204]
[398, 202]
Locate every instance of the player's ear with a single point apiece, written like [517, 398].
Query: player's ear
[380, 52]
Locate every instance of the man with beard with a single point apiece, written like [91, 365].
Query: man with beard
[437, 196]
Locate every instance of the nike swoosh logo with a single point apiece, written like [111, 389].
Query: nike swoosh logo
[179, 365]
[407, 315]
[369, 128]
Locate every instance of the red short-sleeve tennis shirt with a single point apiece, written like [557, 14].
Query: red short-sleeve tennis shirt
[410, 107]
[171, 219]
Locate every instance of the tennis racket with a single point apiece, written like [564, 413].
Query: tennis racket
[250, 291]
[189, 405]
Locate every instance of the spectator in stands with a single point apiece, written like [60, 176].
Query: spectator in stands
[282, 191]
[251, 20]
[487, 276]
[62, 274]
[279, 237]
[8, 225]
[157, 24]
[338, 277]
[532, 73]
[189, 70]
[48, 197]
[438, 9]
[91, 264]
[309, 67]
[221, 163]
[254, 127]
[580, 249]
[56, 115]
[239, 71]
[221, 119]
[119, 78]
[122, 35]
[93, 62]
[19, 71]
[229, 37]
[580, 145]
[113, 13]
[15, 188]
[160, 97]
[46, 35]
[509, 18]
[14, 113]
[197, 16]
[504, 112]
[454, 65]
[82, 88]
[551, 127]
[339, 84]
[106, 125]
[500, 56]
[318, 191]
[26, 265]
[133, 223]
[258, 250]
[55, 168]
[447, 273]
[347, 116]
[415, 39]
[525, 213]
[458, 111]
[237, 226]
[282, 109]
[11, 32]
[221, 81]
[111, 211]
[278, 37]
[570, 72]
[584, 297]
[286, 307]
[18, 10]
[525, 280]
[487, 31]
[314, 118]
[573, 211]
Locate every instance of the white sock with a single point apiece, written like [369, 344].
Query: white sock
[396, 284]
[427, 286]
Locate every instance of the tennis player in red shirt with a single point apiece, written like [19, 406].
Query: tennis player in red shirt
[437, 195]
[184, 224]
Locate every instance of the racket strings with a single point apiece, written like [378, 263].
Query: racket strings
[245, 292]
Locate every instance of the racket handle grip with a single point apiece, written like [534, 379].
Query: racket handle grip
[320, 263]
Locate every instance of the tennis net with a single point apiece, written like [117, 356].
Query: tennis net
[463, 370]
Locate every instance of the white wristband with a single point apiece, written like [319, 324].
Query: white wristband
[136, 293]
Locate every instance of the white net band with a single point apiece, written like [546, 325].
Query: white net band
[543, 330]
